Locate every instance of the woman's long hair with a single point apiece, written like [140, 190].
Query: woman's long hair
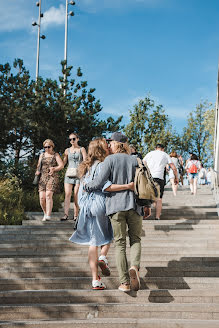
[173, 154]
[121, 147]
[96, 152]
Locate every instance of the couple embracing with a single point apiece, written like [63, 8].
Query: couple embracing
[107, 203]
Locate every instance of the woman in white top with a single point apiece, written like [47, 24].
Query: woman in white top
[192, 167]
[175, 161]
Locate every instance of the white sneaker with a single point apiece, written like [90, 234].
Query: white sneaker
[103, 264]
[46, 218]
[98, 285]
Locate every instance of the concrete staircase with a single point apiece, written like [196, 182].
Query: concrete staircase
[45, 280]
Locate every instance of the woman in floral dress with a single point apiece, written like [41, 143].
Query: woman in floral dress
[51, 163]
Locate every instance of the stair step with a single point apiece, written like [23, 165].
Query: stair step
[115, 323]
[174, 269]
[18, 297]
[90, 310]
[111, 283]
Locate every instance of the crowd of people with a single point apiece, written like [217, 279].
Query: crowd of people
[101, 181]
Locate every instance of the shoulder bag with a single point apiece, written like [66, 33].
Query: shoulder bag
[72, 172]
[37, 177]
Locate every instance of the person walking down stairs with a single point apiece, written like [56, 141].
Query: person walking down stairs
[73, 155]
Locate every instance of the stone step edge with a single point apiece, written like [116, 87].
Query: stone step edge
[142, 292]
[145, 278]
[164, 323]
[204, 307]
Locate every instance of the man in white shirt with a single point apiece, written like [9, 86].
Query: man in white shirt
[157, 161]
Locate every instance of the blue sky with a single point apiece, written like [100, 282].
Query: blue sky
[126, 49]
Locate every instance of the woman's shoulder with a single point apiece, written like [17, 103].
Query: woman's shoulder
[56, 155]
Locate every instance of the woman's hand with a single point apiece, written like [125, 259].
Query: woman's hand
[37, 173]
[51, 170]
[130, 186]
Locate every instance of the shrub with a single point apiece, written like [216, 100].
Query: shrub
[32, 204]
[11, 201]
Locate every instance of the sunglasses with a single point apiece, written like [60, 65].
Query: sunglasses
[72, 139]
[47, 147]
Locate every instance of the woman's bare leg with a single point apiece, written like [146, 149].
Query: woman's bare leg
[42, 196]
[104, 249]
[173, 186]
[76, 207]
[49, 202]
[191, 185]
[195, 186]
[68, 192]
[92, 259]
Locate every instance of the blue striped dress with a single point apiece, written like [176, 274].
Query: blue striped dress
[94, 227]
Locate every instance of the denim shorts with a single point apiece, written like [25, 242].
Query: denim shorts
[193, 176]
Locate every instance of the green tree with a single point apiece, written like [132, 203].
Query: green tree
[209, 124]
[16, 92]
[32, 112]
[196, 136]
[135, 130]
[149, 125]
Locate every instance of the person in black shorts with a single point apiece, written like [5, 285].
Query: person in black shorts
[157, 161]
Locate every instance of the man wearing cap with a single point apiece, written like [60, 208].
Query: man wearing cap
[119, 168]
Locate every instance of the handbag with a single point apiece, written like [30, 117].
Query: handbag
[37, 177]
[72, 172]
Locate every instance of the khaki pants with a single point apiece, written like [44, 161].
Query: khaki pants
[120, 221]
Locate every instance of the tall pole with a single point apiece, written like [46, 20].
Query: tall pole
[38, 42]
[66, 42]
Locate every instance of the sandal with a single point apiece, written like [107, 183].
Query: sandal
[134, 278]
[75, 221]
[64, 218]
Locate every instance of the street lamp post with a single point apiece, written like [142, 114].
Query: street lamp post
[38, 4]
[71, 13]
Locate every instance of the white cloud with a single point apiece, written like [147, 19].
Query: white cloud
[54, 16]
[19, 14]
[15, 15]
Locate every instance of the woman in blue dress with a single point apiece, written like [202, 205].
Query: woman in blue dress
[94, 227]
[74, 156]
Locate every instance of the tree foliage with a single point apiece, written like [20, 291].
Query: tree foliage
[32, 112]
[196, 135]
[209, 124]
[149, 125]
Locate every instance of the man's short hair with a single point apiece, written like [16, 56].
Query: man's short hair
[161, 146]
